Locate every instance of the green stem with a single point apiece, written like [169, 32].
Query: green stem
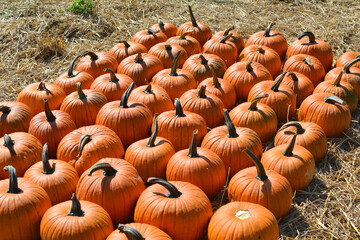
[13, 182]
[336, 83]
[125, 97]
[216, 82]
[193, 21]
[203, 60]
[268, 29]
[253, 104]
[226, 32]
[193, 145]
[173, 191]
[248, 67]
[310, 35]
[107, 169]
[138, 58]
[81, 94]
[183, 35]
[113, 77]
[130, 233]
[161, 25]
[225, 38]
[75, 209]
[178, 109]
[151, 32]
[293, 76]
[201, 93]
[230, 125]
[5, 109]
[151, 142]
[42, 87]
[299, 128]
[333, 100]
[47, 169]
[307, 61]
[289, 149]
[175, 64]
[85, 139]
[72, 67]
[92, 55]
[9, 143]
[50, 117]
[261, 174]
[349, 64]
[275, 86]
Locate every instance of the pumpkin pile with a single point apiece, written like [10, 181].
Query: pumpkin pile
[135, 142]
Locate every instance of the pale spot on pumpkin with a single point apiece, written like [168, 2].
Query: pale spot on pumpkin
[242, 214]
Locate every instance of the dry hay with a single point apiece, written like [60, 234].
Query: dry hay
[38, 40]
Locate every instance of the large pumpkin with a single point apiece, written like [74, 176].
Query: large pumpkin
[347, 57]
[149, 37]
[190, 44]
[166, 52]
[166, 27]
[235, 38]
[14, 117]
[124, 49]
[137, 231]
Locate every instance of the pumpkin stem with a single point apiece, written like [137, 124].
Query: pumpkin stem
[230, 125]
[167, 47]
[13, 182]
[299, 128]
[289, 149]
[178, 109]
[148, 89]
[336, 83]
[259, 49]
[5, 109]
[151, 142]
[175, 64]
[268, 29]
[261, 174]
[193, 21]
[275, 86]
[310, 35]
[71, 67]
[126, 44]
[201, 93]
[161, 25]
[182, 36]
[151, 32]
[253, 104]
[130, 233]
[85, 139]
[248, 67]
[9, 143]
[50, 117]
[293, 76]
[307, 61]
[226, 32]
[193, 145]
[349, 64]
[81, 94]
[75, 209]
[92, 55]
[47, 169]
[216, 82]
[173, 191]
[225, 38]
[203, 60]
[107, 169]
[42, 87]
[125, 97]
[113, 77]
[138, 58]
[333, 100]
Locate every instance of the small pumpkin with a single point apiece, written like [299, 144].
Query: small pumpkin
[244, 75]
[266, 188]
[137, 231]
[243, 220]
[166, 27]
[94, 63]
[309, 135]
[190, 44]
[235, 38]
[56, 177]
[259, 117]
[124, 49]
[75, 220]
[168, 205]
[328, 111]
[14, 117]
[149, 37]
[166, 52]
[347, 57]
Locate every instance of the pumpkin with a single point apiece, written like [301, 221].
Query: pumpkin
[137, 231]
[202, 32]
[190, 44]
[177, 126]
[166, 27]
[241, 221]
[199, 66]
[83, 106]
[67, 81]
[206, 105]
[94, 63]
[220, 88]
[346, 58]
[168, 205]
[351, 74]
[308, 65]
[115, 185]
[341, 89]
[86, 145]
[14, 117]
[235, 38]
[50, 127]
[244, 75]
[268, 57]
[292, 161]
[34, 94]
[314, 47]
[269, 38]
[75, 220]
[140, 68]
[22, 205]
[281, 97]
[199, 166]
[266, 188]
[19, 149]
[300, 84]
[149, 37]
[309, 135]
[131, 121]
[259, 117]
[152, 96]
[173, 80]
[112, 85]
[56, 177]
[226, 50]
[124, 49]
[166, 53]
[228, 142]
[150, 156]
[328, 111]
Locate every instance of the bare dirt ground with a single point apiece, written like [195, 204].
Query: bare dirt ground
[38, 40]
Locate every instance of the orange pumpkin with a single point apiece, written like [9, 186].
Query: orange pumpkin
[347, 57]
[149, 37]
[235, 38]
[124, 49]
[190, 44]
[14, 117]
[166, 52]
[166, 27]
[137, 231]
